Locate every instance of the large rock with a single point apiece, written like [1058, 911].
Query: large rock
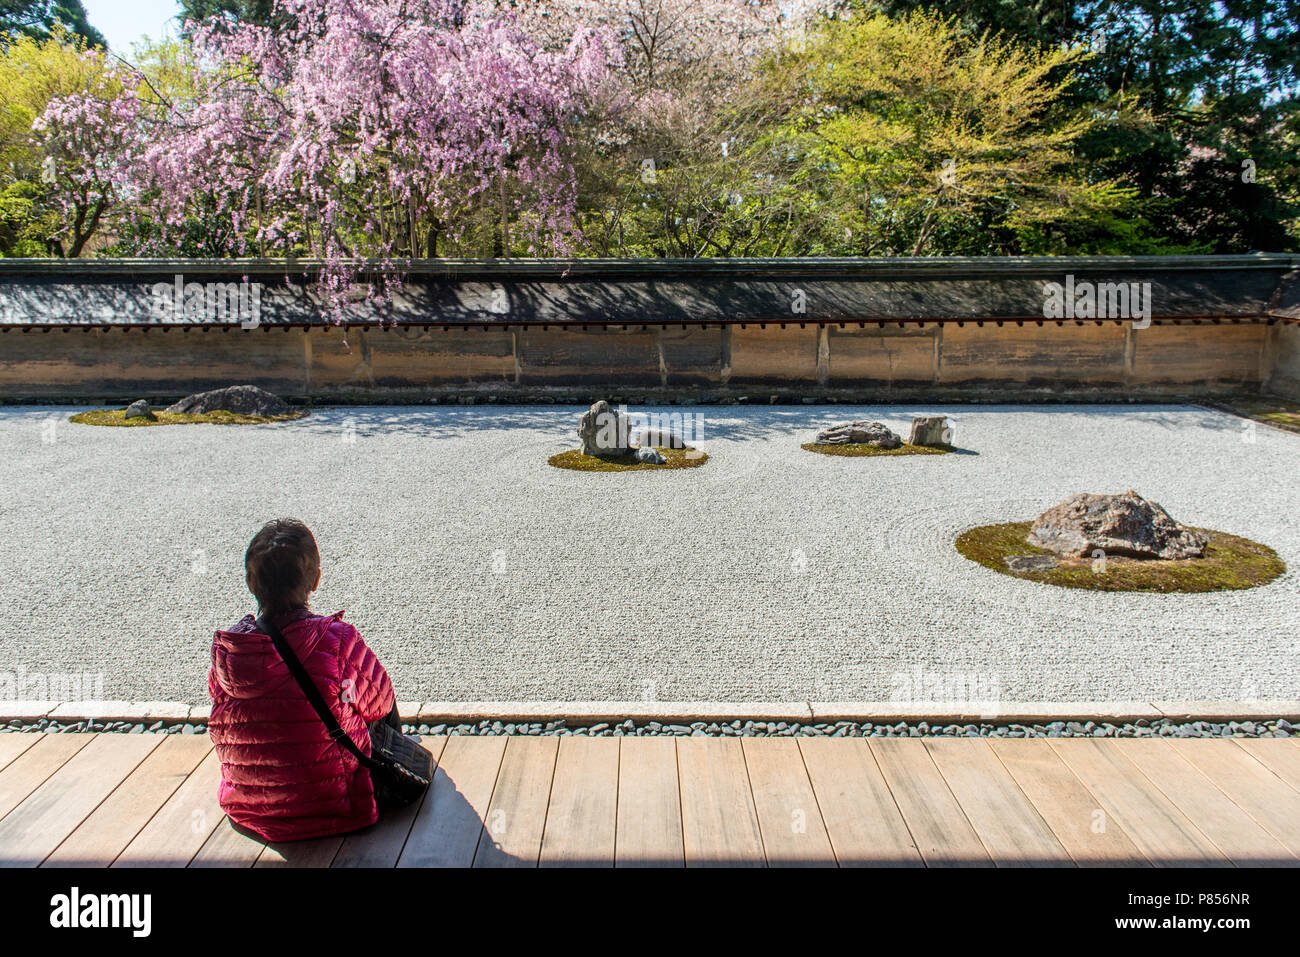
[1118, 525]
[931, 430]
[604, 432]
[859, 433]
[139, 409]
[241, 399]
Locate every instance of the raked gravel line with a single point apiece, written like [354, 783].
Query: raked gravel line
[479, 573]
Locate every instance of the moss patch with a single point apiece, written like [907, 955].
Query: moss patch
[1229, 563]
[855, 449]
[677, 459]
[1279, 412]
[117, 417]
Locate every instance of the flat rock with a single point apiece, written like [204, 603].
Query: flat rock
[659, 438]
[859, 433]
[1117, 525]
[240, 399]
[1031, 563]
[930, 430]
[650, 457]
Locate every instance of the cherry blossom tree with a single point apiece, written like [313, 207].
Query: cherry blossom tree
[90, 146]
[713, 41]
[677, 169]
[354, 132]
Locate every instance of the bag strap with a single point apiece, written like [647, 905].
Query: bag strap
[265, 625]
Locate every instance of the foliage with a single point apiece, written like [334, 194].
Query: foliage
[921, 139]
[364, 134]
[1214, 162]
[261, 12]
[42, 19]
[35, 72]
[668, 168]
[358, 132]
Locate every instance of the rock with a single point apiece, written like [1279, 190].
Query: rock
[241, 399]
[604, 432]
[1030, 563]
[650, 457]
[859, 432]
[1117, 525]
[930, 430]
[139, 409]
[658, 438]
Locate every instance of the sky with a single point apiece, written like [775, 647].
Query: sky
[123, 22]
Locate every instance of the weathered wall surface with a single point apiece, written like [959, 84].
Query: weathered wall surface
[943, 328]
[948, 361]
[1284, 347]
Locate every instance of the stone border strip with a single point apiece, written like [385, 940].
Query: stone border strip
[683, 712]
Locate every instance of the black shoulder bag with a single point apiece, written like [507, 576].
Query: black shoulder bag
[399, 768]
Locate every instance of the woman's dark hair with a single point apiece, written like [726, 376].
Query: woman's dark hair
[282, 563]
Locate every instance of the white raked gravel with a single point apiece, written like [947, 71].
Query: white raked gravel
[478, 572]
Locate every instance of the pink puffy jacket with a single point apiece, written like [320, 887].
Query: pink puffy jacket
[282, 777]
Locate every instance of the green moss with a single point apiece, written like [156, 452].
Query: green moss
[1279, 412]
[855, 449]
[117, 417]
[677, 459]
[1229, 563]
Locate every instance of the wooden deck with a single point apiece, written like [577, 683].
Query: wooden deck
[151, 800]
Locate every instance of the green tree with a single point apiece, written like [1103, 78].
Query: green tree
[246, 11]
[1215, 80]
[919, 139]
[38, 19]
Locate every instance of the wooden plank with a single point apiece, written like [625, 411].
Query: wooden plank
[182, 825]
[14, 743]
[446, 830]
[719, 822]
[101, 837]
[1238, 837]
[1254, 788]
[313, 852]
[1279, 755]
[516, 818]
[226, 847]
[381, 845]
[942, 833]
[30, 832]
[863, 822]
[1070, 809]
[1006, 821]
[30, 770]
[1161, 831]
[583, 814]
[649, 831]
[789, 819]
